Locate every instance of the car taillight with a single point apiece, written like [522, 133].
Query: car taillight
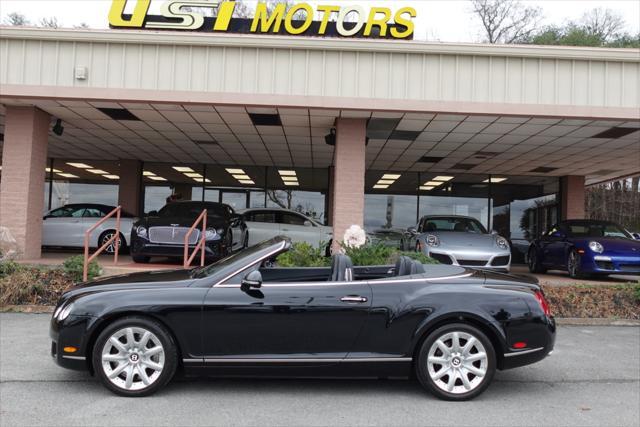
[544, 305]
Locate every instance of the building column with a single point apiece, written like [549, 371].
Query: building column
[24, 159]
[130, 186]
[347, 207]
[572, 197]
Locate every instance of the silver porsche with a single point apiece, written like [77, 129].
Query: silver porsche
[461, 240]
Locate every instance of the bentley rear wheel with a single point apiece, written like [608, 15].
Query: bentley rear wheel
[135, 357]
[456, 362]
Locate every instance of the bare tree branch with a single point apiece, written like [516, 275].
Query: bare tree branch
[16, 19]
[507, 21]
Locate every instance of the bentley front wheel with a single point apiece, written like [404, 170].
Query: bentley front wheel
[135, 357]
[456, 362]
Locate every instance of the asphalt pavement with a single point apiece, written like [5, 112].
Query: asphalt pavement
[592, 379]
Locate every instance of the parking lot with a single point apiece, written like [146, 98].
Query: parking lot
[592, 378]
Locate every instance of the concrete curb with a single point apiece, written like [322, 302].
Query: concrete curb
[563, 321]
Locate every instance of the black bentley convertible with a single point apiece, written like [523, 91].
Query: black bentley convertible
[240, 316]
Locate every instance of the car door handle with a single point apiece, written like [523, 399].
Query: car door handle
[353, 299]
[285, 229]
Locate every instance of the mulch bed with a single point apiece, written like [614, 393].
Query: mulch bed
[595, 301]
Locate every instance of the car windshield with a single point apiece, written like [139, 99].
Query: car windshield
[192, 210]
[240, 258]
[458, 224]
[596, 229]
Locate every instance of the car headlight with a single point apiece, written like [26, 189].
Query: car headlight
[141, 231]
[64, 312]
[502, 243]
[213, 234]
[596, 247]
[432, 240]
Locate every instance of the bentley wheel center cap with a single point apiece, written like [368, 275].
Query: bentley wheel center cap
[455, 361]
[134, 357]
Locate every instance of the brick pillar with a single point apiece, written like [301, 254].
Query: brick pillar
[572, 197]
[130, 186]
[347, 207]
[24, 158]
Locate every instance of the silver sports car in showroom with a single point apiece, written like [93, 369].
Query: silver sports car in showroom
[461, 240]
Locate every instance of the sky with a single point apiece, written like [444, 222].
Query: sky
[437, 20]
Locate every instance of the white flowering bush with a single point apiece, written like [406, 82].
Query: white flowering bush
[354, 237]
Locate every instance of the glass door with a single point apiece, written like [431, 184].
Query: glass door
[236, 199]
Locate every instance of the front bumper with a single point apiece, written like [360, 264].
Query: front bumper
[142, 247]
[72, 332]
[499, 260]
[611, 264]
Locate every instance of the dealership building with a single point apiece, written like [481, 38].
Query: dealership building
[375, 132]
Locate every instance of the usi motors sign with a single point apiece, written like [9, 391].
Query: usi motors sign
[190, 15]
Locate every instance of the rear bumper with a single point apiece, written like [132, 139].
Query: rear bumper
[514, 358]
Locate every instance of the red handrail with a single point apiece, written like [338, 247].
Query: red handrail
[188, 259]
[87, 235]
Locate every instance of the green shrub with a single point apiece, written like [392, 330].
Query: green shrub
[304, 255]
[636, 292]
[371, 254]
[8, 267]
[74, 267]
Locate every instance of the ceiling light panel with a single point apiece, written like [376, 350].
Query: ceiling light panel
[183, 169]
[80, 165]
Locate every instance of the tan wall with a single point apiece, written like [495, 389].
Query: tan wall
[572, 197]
[129, 190]
[348, 176]
[24, 158]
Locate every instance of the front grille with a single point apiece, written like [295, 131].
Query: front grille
[172, 235]
[472, 262]
[500, 260]
[605, 265]
[442, 259]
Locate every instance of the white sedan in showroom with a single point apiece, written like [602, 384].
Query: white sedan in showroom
[65, 226]
[264, 224]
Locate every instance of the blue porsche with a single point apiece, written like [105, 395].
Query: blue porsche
[585, 247]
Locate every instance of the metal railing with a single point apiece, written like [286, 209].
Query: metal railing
[115, 238]
[200, 245]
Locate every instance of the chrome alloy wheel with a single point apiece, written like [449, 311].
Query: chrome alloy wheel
[133, 358]
[457, 362]
[111, 248]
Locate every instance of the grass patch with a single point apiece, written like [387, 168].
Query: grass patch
[40, 285]
[618, 301]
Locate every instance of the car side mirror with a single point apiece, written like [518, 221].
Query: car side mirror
[558, 235]
[412, 230]
[494, 232]
[636, 236]
[252, 280]
[153, 213]
[308, 223]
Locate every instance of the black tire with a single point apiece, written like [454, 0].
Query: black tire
[479, 383]
[245, 245]
[327, 249]
[140, 259]
[574, 271]
[170, 356]
[534, 262]
[106, 236]
[229, 243]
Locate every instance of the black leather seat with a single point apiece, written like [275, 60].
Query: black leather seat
[406, 266]
[341, 268]
[403, 266]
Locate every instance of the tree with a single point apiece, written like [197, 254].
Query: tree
[16, 19]
[50, 22]
[597, 28]
[507, 21]
[603, 23]
[276, 196]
